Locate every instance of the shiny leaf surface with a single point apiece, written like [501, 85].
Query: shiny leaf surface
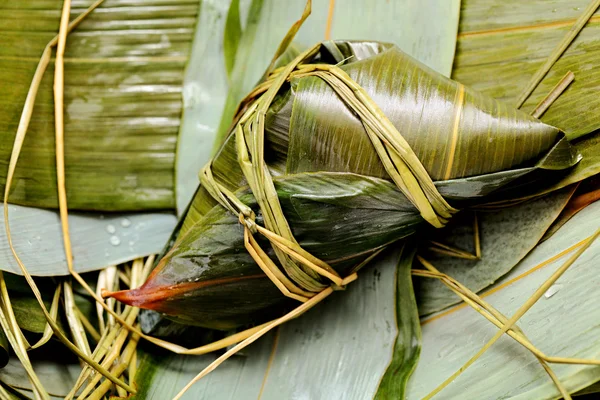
[498, 52]
[332, 172]
[124, 72]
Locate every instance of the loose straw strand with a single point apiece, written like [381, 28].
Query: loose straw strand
[494, 316]
[558, 51]
[291, 315]
[18, 143]
[520, 312]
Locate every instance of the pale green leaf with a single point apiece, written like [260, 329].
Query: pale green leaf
[507, 235]
[57, 378]
[426, 30]
[204, 91]
[407, 346]
[97, 240]
[560, 324]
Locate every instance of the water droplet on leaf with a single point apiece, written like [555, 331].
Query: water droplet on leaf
[552, 290]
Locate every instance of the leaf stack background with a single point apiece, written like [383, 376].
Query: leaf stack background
[344, 349]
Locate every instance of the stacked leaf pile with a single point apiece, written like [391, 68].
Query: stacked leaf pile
[368, 165]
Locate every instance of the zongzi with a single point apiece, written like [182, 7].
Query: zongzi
[349, 148]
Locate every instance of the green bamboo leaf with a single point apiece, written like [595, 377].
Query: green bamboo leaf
[352, 199]
[589, 148]
[408, 340]
[232, 35]
[267, 23]
[372, 294]
[57, 377]
[445, 156]
[98, 240]
[507, 236]
[239, 74]
[365, 320]
[161, 374]
[498, 54]
[122, 96]
[380, 21]
[454, 121]
[314, 346]
[124, 73]
[561, 323]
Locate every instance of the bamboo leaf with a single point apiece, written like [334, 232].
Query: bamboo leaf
[164, 374]
[373, 294]
[380, 21]
[507, 236]
[586, 193]
[589, 148]
[4, 349]
[408, 340]
[98, 240]
[267, 22]
[315, 104]
[499, 55]
[196, 276]
[57, 377]
[316, 217]
[317, 343]
[204, 92]
[126, 80]
[232, 35]
[364, 319]
[120, 100]
[560, 324]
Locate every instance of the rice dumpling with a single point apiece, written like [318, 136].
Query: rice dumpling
[344, 189]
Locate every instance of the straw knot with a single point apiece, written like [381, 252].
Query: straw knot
[248, 222]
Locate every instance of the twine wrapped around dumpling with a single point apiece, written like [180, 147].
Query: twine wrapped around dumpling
[347, 149]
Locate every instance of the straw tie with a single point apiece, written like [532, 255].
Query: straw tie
[306, 275]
